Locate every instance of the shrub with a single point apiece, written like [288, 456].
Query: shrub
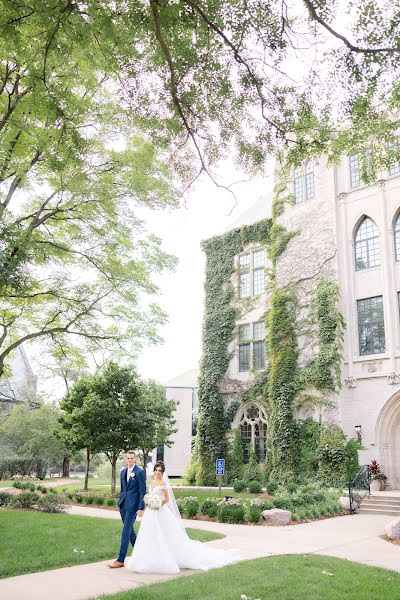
[41, 488]
[190, 506]
[291, 488]
[210, 507]
[51, 504]
[231, 511]
[25, 500]
[110, 502]
[52, 490]
[254, 514]
[88, 499]
[235, 457]
[271, 486]
[283, 502]
[239, 485]
[78, 498]
[251, 471]
[99, 500]
[255, 487]
[5, 498]
[70, 495]
[13, 467]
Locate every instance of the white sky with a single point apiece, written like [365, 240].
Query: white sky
[206, 214]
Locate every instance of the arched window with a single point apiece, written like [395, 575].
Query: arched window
[397, 237]
[253, 430]
[367, 251]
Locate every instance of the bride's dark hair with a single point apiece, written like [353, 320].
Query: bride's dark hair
[160, 464]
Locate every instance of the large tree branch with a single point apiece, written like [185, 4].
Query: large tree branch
[358, 49]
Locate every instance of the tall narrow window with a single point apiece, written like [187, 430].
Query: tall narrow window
[303, 180]
[354, 162]
[244, 357]
[367, 250]
[371, 325]
[397, 237]
[252, 273]
[298, 185]
[251, 346]
[394, 165]
[360, 167]
[253, 430]
[309, 177]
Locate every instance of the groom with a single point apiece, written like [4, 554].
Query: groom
[130, 503]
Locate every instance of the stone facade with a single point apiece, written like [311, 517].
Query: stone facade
[21, 385]
[325, 247]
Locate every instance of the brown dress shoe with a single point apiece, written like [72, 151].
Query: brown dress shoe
[116, 565]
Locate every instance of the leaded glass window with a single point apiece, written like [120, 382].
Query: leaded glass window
[394, 166]
[309, 179]
[397, 237]
[253, 430]
[371, 325]
[244, 285]
[258, 281]
[244, 357]
[367, 249]
[251, 353]
[251, 273]
[298, 185]
[354, 162]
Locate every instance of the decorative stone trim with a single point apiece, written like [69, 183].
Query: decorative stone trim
[351, 382]
[393, 378]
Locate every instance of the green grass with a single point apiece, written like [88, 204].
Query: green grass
[5, 483]
[281, 577]
[31, 542]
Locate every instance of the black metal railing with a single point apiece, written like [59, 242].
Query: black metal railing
[359, 487]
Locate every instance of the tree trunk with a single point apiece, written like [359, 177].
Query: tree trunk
[113, 461]
[87, 469]
[145, 454]
[66, 463]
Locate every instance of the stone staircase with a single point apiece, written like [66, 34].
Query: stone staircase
[381, 505]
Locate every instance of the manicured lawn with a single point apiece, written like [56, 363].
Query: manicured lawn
[278, 578]
[5, 483]
[31, 541]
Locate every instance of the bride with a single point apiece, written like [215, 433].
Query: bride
[162, 544]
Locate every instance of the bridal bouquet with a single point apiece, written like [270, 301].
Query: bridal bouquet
[152, 501]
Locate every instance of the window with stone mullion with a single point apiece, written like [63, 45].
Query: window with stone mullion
[371, 326]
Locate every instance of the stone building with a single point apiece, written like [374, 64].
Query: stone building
[21, 385]
[348, 232]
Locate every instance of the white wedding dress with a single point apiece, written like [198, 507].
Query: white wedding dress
[163, 546]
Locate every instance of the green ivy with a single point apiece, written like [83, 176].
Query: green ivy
[218, 329]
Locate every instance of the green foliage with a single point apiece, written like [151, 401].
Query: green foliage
[25, 500]
[235, 458]
[254, 514]
[210, 507]
[323, 371]
[218, 329]
[32, 433]
[308, 434]
[251, 471]
[5, 498]
[271, 486]
[51, 504]
[239, 485]
[11, 467]
[230, 513]
[189, 506]
[331, 456]
[282, 352]
[255, 487]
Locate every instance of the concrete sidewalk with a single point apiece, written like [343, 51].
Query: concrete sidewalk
[355, 538]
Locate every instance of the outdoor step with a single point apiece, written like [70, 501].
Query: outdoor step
[378, 511]
[382, 501]
[394, 507]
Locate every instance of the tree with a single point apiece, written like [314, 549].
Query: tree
[33, 433]
[75, 259]
[78, 426]
[160, 418]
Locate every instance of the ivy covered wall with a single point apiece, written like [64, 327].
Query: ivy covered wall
[285, 382]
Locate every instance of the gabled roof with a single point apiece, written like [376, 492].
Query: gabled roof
[185, 380]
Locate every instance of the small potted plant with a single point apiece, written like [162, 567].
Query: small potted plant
[378, 479]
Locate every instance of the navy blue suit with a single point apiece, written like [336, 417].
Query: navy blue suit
[129, 502]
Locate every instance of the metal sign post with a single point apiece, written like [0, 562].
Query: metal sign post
[220, 471]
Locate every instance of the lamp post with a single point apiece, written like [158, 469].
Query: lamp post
[358, 431]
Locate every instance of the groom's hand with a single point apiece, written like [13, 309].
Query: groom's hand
[140, 513]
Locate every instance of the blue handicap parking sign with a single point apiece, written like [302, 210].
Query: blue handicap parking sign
[220, 466]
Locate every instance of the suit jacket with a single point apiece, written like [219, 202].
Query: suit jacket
[132, 491]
